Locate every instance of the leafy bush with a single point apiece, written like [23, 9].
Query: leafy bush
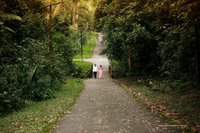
[117, 69]
[10, 89]
[27, 70]
[82, 69]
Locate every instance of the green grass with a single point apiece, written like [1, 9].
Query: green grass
[144, 90]
[177, 107]
[41, 117]
[85, 66]
[88, 47]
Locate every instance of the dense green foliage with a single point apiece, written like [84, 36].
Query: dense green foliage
[28, 70]
[153, 38]
[83, 69]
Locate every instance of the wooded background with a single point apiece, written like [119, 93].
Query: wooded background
[152, 38]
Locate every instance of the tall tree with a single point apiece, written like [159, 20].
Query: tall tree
[75, 13]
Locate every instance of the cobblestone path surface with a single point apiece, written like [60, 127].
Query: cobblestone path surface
[104, 107]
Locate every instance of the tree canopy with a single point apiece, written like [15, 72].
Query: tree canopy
[153, 38]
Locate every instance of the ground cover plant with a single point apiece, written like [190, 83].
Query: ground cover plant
[83, 69]
[41, 117]
[180, 108]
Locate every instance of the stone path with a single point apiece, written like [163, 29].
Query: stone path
[104, 107]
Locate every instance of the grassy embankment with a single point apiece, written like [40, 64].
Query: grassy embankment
[85, 68]
[180, 108]
[42, 117]
[88, 46]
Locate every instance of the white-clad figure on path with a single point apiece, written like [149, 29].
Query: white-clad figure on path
[94, 70]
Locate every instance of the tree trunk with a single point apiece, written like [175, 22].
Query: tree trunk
[75, 13]
[50, 31]
[129, 60]
[197, 53]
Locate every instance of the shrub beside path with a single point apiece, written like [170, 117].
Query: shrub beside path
[104, 107]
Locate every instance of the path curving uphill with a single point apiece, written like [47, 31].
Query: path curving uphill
[104, 107]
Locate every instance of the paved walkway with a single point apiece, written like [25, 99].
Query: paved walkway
[104, 107]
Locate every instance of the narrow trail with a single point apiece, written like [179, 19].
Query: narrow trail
[104, 107]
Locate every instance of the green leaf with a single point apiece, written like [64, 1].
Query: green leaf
[8, 17]
[31, 75]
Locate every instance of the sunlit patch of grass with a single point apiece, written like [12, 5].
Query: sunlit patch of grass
[88, 47]
[40, 117]
[85, 66]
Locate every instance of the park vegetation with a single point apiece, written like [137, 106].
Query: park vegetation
[155, 40]
[152, 38]
[43, 116]
[38, 40]
[155, 45]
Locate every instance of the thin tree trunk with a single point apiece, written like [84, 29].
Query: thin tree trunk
[129, 60]
[50, 26]
[197, 53]
[50, 31]
[75, 13]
